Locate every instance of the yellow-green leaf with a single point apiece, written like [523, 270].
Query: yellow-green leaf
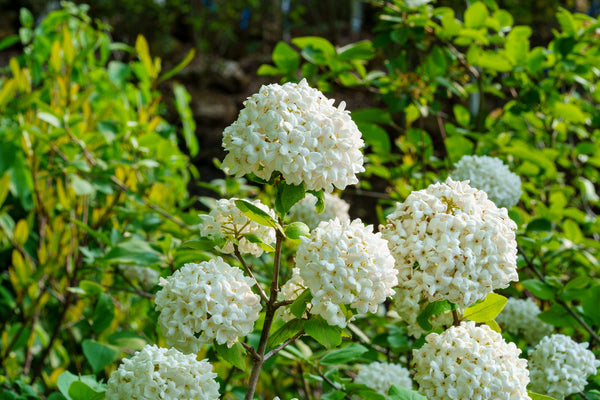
[68, 51]
[4, 188]
[141, 46]
[21, 232]
[55, 57]
[487, 310]
[493, 325]
[7, 92]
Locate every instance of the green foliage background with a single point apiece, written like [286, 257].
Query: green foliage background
[92, 177]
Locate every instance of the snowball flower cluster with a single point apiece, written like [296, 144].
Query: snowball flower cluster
[167, 374]
[381, 376]
[304, 210]
[490, 175]
[206, 301]
[226, 222]
[470, 362]
[146, 276]
[451, 243]
[294, 129]
[519, 317]
[559, 366]
[343, 263]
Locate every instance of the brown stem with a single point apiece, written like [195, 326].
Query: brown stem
[269, 316]
[282, 345]
[456, 317]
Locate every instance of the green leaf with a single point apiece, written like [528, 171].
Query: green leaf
[327, 335]
[317, 43]
[557, 315]
[80, 391]
[127, 340]
[572, 231]
[132, 251]
[437, 307]
[91, 288]
[199, 244]
[462, 115]
[537, 396]
[320, 205]
[182, 103]
[487, 310]
[371, 115]
[104, 313]
[4, 188]
[81, 186]
[376, 137]
[286, 332]
[235, 355]
[256, 214]
[101, 237]
[360, 391]
[298, 307]
[49, 118]
[266, 69]
[398, 392]
[539, 225]
[118, 73]
[288, 195]
[181, 65]
[517, 44]
[458, 146]
[362, 50]
[344, 355]
[26, 18]
[252, 238]
[476, 15]
[297, 229]
[539, 289]
[566, 21]
[493, 61]
[99, 355]
[569, 112]
[286, 58]
[66, 379]
[8, 41]
[589, 303]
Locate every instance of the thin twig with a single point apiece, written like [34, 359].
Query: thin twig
[282, 345]
[250, 350]
[261, 292]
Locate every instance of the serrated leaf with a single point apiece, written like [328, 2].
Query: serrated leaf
[99, 355]
[344, 355]
[285, 332]
[327, 335]
[487, 310]
[235, 355]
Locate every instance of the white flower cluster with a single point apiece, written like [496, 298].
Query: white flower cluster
[226, 222]
[380, 376]
[408, 304]
[519, 317]
[146, 276]
[490, 175]
[470, 362]
[451, 243]
[304, 210]
[343, 263]
[296, 130]
[559, 366]
[206, 301]
[167, 374]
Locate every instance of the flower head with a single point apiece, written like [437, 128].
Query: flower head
[295, 130]
[451, 243]
[206, 301]
[304, 210]
[345, 263]
[492, 176]
[381, 376]
[157, 373]
[226, 222]
[519, 317]
[470, 362]
[559, 366]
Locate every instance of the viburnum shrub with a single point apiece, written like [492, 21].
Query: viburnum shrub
[251, 301]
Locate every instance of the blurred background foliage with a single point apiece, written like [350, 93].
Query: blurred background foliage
[106, 141]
